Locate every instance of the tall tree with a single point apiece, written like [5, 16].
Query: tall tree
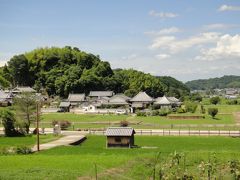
[25, 105]
[18, 67]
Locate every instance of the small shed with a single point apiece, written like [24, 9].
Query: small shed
[120, 137]
[64, 106]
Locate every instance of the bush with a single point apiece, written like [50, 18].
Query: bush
[63, 124]
[212, 112]
[181, 110]
[9, 121]
[139, 113]
[215, 100]
[232, 102]
[190, 106]
[203, 110]
[124, 123]
[23, 150]
[155, 113]
[163, 112]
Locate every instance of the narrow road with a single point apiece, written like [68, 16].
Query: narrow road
[64, 141]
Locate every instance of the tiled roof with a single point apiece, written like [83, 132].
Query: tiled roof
[64, 104]
[76, 97]
[119, 131]
[23, 89]
[119, 99]
[141, 97]
[101, 93]
[166, 100]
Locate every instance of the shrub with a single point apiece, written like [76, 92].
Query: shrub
[155, 113]
[9, 121]
[23, 150]
[203, 110]
[181, 110]
[190, 106]
[215, 100]
[63, 124]
[163, 112]
[212, 112]
[139, 113]
[124, 123]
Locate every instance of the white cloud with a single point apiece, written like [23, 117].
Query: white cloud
[162, 56]
[174, 45]
[162, 14]
[227, 47]
[170, 30]
[219, 26]
[229, 8]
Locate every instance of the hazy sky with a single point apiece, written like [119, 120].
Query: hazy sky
[184, 39]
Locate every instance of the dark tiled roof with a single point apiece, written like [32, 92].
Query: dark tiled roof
[101, 93]
[119, 131]
[76, 97]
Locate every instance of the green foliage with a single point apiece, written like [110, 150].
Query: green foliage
[202, 110]
[25, 106]
[63, 70]
[212, 112]
[213, 83]
[190, 106]
[175, 88]
[215, 100]
[163, 112]
[9, 122]
[196, 97]
[181, 110]
[140, 113]
[4, 83]
[23, 150]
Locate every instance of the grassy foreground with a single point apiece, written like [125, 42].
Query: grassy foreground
[137, 163]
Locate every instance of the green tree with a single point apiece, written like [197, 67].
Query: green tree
[18, 67]
[215, 100]
[9, 121]
[25, 105]
[212, 112]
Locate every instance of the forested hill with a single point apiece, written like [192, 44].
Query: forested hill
[212, 83]
[61, 71]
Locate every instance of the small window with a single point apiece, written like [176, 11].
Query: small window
[117, 139]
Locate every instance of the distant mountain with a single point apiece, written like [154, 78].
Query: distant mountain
[212, 83]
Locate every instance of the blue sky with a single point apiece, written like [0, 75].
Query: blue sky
[184, 39]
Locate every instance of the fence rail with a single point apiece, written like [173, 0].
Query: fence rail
[169, 132]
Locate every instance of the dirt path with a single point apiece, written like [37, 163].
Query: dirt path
[66, 140]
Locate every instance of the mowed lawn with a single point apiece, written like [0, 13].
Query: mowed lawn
[72, 162]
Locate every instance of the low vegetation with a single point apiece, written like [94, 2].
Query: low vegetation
[170, 157]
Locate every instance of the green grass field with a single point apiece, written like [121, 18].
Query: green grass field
[85, 121]
[79, 161]
[26, 141]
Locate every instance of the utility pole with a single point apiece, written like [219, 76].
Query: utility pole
[37, 118]
[95, 165]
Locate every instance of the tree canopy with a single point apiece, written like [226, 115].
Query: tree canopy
[213, 83]
[68, 70]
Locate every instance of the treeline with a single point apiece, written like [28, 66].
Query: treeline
[213, 83]
[60, 71]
